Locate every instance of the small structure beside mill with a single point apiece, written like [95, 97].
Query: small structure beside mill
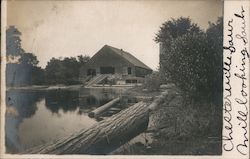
[113, 66]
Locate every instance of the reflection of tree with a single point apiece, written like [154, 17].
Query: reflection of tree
[92, 101]
[94, 98]
[23, 103]
[61, 99]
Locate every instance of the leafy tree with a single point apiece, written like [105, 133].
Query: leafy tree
[169, 31]
[52, 71]
[13, 41]
[28, 58]
[38, 76]
[175, 28]
[64, 71]
[215, 40]
[190, 57]
[83, 59]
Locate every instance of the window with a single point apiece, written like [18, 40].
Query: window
[91, 72]
[129, 70]
[107, 70]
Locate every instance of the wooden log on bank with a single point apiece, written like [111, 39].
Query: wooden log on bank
[101, 109]
[158, 101]
[105, 136]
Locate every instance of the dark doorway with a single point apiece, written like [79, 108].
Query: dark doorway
[129, 71]
[91, 72]
[131, 81]
[107, 70]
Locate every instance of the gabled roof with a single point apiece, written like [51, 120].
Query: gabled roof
[130, 58]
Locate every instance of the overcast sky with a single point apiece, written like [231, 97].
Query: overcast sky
[70, 28]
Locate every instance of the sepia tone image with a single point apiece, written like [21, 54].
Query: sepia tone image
[114, 77]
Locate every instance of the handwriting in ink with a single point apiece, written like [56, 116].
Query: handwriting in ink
[227, 106]
[242, 114]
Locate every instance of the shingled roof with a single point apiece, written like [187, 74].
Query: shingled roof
[133, 60]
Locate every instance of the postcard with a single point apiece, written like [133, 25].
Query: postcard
[125, 79]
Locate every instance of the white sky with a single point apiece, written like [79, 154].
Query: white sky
[70, 28]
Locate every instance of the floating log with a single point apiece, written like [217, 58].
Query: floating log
[101, 109]
[103, 137]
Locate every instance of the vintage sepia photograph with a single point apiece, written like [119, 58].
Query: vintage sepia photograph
[119, 77]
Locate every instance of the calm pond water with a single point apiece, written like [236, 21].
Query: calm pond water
[37, 117]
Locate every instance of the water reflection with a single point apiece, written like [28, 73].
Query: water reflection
[19, 105]
[61, 99]
[36, 117]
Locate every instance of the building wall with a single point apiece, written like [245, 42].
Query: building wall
[107, 59]
[142, 72]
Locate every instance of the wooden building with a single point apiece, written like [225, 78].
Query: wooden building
[110, 60]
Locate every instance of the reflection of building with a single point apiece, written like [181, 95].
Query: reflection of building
[116, 62]
[18, 74]
[96, 97]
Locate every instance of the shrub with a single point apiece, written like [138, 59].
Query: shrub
[152, 82]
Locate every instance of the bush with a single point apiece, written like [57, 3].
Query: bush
[152, 82]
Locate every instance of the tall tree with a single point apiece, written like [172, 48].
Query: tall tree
[175, 28]
[16, 57]
[190, 57]
[215, 41]
[13, 41]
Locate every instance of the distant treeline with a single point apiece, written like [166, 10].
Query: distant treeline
[57, 71]
[63, 71]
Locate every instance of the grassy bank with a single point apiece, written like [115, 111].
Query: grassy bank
[178, 126]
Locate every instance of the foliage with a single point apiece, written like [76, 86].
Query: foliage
[28, 58]
[13, 42]
[192, 58]
[83, 59]
[57, 71]
[152, 81]
[215, 39]
[64, 71]
[16, 54]
[175, 28]
[38, 76]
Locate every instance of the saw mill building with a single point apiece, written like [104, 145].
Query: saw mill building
[117, 62]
